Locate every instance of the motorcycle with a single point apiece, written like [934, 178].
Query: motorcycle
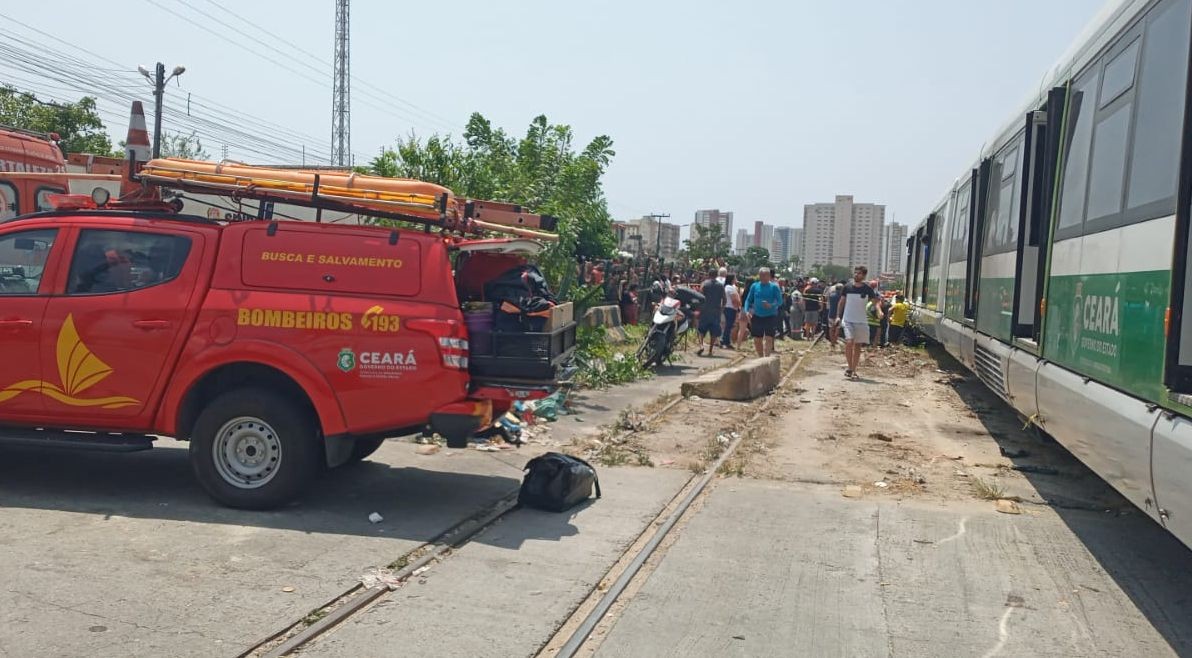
[672, 321]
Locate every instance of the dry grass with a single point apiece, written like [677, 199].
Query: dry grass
[987, 490]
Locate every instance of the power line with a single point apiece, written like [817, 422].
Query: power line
[70, 72]
[72, 64]
[320, 82]
[324, 63]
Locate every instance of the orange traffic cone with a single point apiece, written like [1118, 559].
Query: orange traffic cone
[136, 148]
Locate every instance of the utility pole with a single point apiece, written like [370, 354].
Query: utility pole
[658, 217]
[341, 121]
[159, 80]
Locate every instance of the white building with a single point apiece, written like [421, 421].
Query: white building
[894, 247]
[784, 244]
[743, 242]
[666, 244]
[844, 233]
[714, 217]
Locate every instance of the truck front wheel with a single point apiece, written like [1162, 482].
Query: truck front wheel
[254, 449]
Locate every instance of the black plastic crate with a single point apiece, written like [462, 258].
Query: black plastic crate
[521, 355]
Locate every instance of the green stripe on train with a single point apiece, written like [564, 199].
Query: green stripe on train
[995, 302]
[954, 298]
[1110, 327]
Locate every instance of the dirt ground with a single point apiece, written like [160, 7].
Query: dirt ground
[917, 424]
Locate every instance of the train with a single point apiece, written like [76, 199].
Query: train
[1056, 266]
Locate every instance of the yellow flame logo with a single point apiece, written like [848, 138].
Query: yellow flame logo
[78, 370]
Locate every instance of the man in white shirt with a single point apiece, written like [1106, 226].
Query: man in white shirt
[732, 307]
[854, 318]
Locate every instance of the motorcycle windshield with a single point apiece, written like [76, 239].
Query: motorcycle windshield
[666, 310]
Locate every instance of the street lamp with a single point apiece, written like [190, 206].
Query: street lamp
[159, 80]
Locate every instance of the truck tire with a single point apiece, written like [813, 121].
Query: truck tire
[254, 449]
[365, 447]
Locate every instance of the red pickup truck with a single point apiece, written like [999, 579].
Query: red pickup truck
[275, 348]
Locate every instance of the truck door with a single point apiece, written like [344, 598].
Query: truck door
[110, 339]
[24, 292]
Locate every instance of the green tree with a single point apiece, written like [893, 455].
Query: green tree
[756, 258]
[707, 243]
[77, 124]
[542, 171]
[831, 272]
[178, 145]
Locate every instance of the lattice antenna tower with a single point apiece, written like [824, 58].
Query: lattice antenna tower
[341, 106]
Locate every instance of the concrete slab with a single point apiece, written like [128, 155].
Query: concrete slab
[748, 380]
[124, 555]
[505, 594]
[779, 569]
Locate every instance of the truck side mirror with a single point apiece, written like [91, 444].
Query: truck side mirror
[25, 244]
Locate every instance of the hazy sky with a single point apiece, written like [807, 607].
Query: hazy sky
[755, 107]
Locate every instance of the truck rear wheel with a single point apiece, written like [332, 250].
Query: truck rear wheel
[254, 449]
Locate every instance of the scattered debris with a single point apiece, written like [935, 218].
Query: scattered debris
[375, 518]
[852, 491]
[380, 578]
[1015, 454]
[880, 436]
[428, 449]
[923, 541]
[287, 589]
[738, 637]
[882, 484]
[1006, 506]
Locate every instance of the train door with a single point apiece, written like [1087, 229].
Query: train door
[928, 244]
[1043, 140]
[972, 292]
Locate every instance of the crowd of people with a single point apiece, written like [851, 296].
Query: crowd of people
[758, 308]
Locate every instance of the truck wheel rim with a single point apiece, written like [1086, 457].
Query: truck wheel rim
[246, 452]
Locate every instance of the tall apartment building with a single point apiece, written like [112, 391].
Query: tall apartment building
[743, 242]
[894, 247]
[763, 236]
[784, 244]
[641, 236]
[844, 233]
[714, 217]
[797, 243]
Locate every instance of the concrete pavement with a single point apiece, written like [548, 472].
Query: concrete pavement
[123, 555]
[782, 569]
[505, 593]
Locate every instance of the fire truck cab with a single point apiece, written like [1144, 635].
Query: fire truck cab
[276, 348]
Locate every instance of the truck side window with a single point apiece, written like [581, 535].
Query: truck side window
[43, 197]
[22, 260]
[9, 207]
[120, 261]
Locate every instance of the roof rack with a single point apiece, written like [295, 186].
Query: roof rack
[343, 191]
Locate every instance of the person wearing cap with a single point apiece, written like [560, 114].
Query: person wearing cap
[813, 299]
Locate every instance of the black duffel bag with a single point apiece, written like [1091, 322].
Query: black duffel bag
[556, 482]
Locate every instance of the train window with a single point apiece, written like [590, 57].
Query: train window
[1001, 228]
[1155, 158]
[1119, 74]
[1076, 151]
[1108, 164]
[937, 234]
[960, 224]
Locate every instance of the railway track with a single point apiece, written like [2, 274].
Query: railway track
[355, 600]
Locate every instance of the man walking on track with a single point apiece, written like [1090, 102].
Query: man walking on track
[761, 307]
[854, 317]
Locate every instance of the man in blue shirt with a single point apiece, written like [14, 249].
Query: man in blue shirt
[761, 307]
